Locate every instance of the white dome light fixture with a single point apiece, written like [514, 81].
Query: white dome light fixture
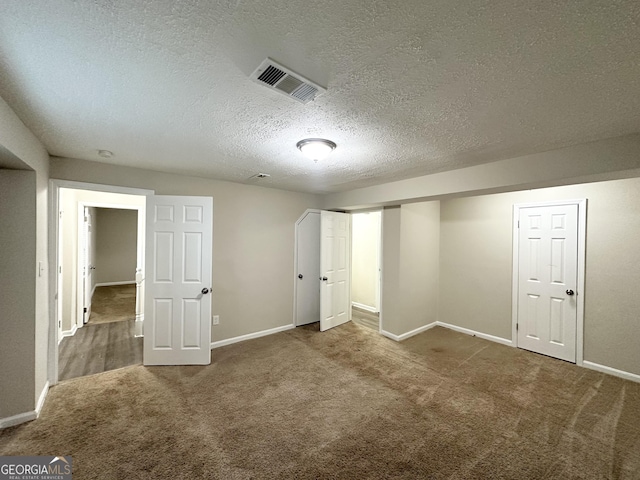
[316, 148]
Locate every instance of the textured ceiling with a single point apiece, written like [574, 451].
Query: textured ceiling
[414, 86]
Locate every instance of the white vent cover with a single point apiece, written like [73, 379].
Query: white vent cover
[283, 80]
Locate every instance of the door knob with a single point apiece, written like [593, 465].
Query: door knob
[205, 290]
[324, 279]
[300, 276]
[570, 292]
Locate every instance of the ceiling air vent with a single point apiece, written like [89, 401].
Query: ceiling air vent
[283, 80]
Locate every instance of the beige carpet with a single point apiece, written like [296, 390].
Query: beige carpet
[115, 303]
[346, 403]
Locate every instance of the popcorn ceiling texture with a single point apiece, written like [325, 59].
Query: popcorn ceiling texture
[414, 87]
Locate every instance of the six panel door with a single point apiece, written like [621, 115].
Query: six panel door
[177, 325]
[335, 269]
[547, 277]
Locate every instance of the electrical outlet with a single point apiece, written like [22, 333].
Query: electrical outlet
[216, 319]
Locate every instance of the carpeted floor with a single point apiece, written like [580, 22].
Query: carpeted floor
[114, 303]
[346, 403]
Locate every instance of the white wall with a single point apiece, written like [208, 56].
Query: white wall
[391, 314]
[476, 266]
[365, 259]
[116, 245]
[29, 368]
[410, 274]
[68, 205]
[253, 240]
[17, 290]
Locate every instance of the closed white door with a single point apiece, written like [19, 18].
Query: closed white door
[308, 269]
[177, 325]
[547, 279]
[335, 269]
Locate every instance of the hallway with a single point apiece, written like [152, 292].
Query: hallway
[107, 341]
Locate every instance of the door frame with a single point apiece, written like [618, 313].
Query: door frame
[581, 260]
[54, 234]
[296, 254]
[140, 251]
[379, 259]
[60, 287]
[83, 244]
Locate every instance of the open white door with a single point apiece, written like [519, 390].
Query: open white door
[335, 269]
[177, 325]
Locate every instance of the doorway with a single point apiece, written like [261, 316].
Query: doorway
[319, 237]
[366, 268]
[104, 338]
[84, 267]
[548, 278]
[322, 288]
[307, 275]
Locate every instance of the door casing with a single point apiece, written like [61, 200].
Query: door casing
[302, 251]
[580, 281]
[84, 273]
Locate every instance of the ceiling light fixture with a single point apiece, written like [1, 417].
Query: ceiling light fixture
[316, 148]
[105, 153]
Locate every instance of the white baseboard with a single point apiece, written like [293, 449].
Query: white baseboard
[139, 326]
[611, 371]
[404, 336]
[250, 336]
[17, 419]
[27, 416]
[42, 398]
[69, 333]
[111, 284]
[503, 341]
[364, 307]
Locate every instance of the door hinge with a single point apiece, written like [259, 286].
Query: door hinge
[518, 223]
[84, 309]
[516, 327]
